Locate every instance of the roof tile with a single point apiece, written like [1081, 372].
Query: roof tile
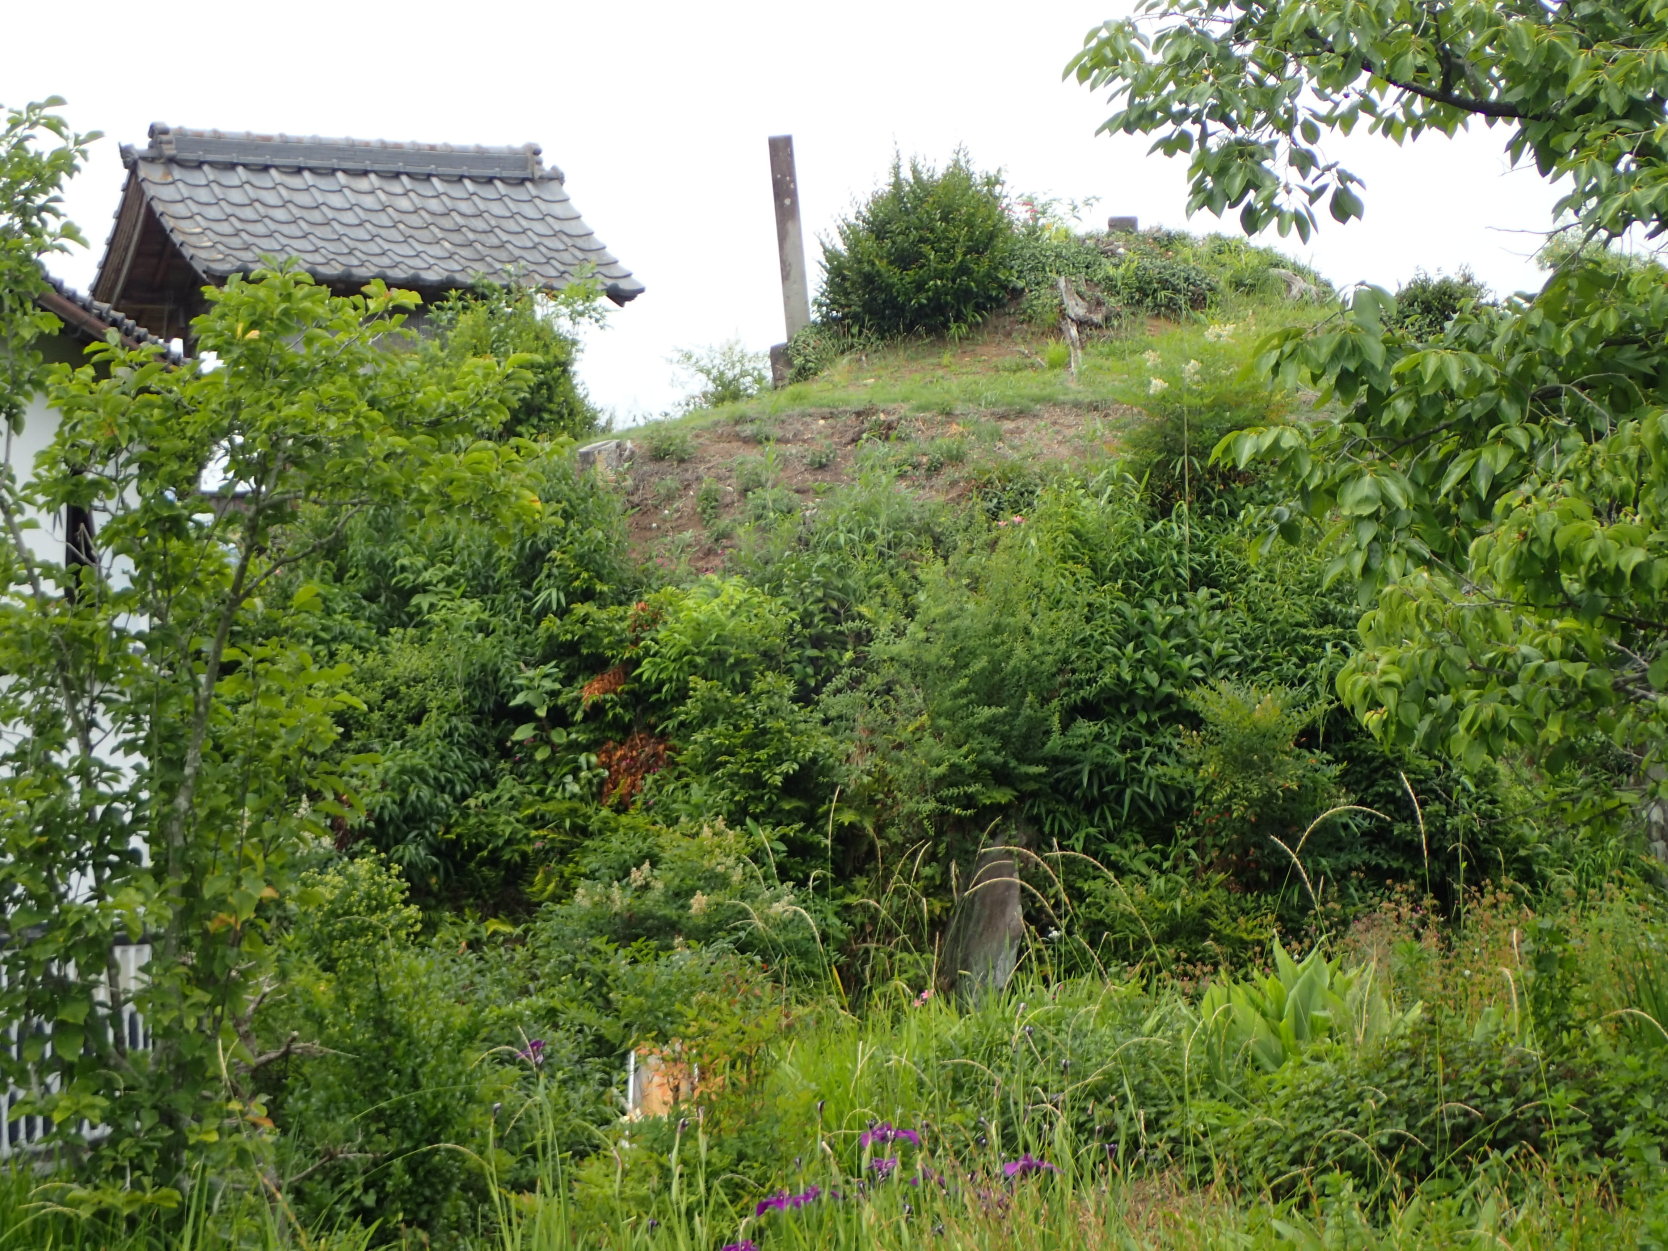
[101, 317]
[350, 210]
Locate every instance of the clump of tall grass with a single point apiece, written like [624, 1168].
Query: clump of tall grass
[1523, 1106]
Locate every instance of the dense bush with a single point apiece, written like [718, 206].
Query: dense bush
[440, 619]
[728, 816]
[1044, 255]
[640, 885]
[1190, 411]
[537, 332]
[1168, 273]
[391, 1085]
[1254, 781]
[1426, 303]
[930, 250]
[1162, 286]
[1428, 1104]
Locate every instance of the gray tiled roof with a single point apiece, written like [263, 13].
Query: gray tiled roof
[430, 216]
[95, 317]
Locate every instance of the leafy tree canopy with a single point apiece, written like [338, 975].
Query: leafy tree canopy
[165, 766]
[38, 151]
[1498, 490]
[1248, 88]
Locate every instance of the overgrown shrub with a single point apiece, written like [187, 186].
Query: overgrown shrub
[672, 443]
[1244, 267]
[1162, 286]
[1432, 1102]
[1253, 780]
[390, 1084]
[538, 332]
[726, 372]
[929, 251]
[1042, 256]
[1176, 921]
[655, 887]
[956, 718]
[1426, 303]
[441, 619]
[1189, 411]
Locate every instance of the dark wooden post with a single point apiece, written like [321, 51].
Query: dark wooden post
[790, 250]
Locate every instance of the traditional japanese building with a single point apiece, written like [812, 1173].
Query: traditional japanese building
[202, 205]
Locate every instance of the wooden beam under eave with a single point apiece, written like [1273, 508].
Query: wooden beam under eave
[124, 242]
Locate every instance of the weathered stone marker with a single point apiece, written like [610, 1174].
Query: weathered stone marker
[1123, 225]
[606, 456]
[790, 251]
[982, 948]
[790, 241]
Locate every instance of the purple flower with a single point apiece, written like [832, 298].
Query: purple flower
[533, 1053]
[746, 1244]
[885, 1132]
[1027, 1163]
[884, 1168]
[782, 1201]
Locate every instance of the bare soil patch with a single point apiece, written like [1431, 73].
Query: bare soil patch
[690, 506]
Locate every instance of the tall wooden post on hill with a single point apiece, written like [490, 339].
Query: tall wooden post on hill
[790, 250]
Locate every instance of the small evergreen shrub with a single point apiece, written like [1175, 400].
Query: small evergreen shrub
[819, 455]
[768, 503]
[929, 251]
[1162, 286]
[669, 443]
[754, 473]
[709, 500]
[1041, 258]
[1426, 303]
[1254, 779]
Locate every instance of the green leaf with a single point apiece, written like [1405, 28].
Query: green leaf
[1345, 205]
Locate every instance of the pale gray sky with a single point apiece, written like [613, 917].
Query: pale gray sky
[659, 113]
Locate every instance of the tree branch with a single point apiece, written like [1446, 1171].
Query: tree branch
[1436, 95]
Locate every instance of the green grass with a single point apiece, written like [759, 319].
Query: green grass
[990, 373]
[1106, 1078]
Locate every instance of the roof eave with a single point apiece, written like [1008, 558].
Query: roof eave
[71, 309]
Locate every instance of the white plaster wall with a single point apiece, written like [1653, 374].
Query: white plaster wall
[18, 451]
